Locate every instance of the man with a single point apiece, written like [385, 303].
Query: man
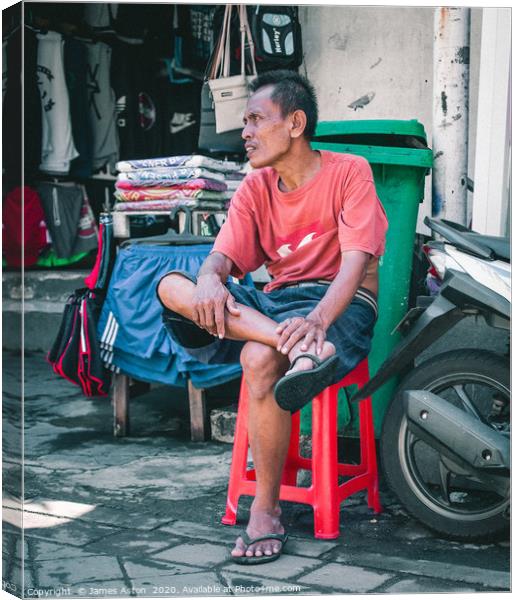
[314, 219]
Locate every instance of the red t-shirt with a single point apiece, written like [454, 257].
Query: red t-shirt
[300, 235]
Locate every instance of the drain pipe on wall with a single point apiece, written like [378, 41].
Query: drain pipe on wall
[450, 113]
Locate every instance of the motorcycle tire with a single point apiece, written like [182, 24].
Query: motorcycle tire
[452, 514]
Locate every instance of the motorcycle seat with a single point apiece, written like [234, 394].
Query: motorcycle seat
[500, 246]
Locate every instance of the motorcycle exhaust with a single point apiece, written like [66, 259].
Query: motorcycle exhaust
[455, 433]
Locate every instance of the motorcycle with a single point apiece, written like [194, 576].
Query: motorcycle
[445, 443]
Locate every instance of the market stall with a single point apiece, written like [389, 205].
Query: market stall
[129, 150]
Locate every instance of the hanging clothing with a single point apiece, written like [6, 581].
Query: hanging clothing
[75, 353]
[100, 16]
[101, 105]
[106, 252]
[196, 27]
[126, 77]
[134, 83]
[133, 20]
[87, 232]
[71, 224]
[11, 113]
[32, 108]
[4, 69]
[160, 35]
[58, 147]
[179, 111]
[11, 110]
[50, 260]
[76, 71]
[100, 194]
[23, 203]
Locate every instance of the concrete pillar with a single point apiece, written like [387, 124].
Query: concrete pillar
[450, 113]
[493, 138]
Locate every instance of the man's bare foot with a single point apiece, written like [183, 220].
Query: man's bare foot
[261, 523]
[304, 364]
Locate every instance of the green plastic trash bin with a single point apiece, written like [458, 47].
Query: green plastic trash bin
[400, 159]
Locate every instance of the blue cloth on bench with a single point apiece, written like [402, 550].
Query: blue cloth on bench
[132, 337]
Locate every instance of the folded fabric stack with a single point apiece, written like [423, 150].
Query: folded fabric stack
[233, 180]
[164, 183]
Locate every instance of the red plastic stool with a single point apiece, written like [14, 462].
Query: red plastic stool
[325, 493]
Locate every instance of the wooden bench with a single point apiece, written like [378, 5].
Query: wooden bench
[121, 390]
[199, 418]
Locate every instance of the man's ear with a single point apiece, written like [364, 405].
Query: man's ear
[298, 123]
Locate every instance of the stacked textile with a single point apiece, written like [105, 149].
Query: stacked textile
[233, 180]
[164, 183]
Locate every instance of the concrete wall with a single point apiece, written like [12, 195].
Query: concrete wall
[386, 55]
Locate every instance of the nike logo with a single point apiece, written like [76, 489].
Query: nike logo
[285, 249]
[181, 121]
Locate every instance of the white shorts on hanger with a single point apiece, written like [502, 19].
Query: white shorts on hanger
[57, 142]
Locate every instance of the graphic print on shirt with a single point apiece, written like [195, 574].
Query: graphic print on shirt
[180, 121]
[120, 108]
[146, 111]
[299, 238]
[47, 101]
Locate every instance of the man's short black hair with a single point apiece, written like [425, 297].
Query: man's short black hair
[291, 92]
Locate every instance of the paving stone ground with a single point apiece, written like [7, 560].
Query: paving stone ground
[140, 516]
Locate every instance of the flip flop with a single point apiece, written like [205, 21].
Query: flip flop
[294, 390]
[258, 560]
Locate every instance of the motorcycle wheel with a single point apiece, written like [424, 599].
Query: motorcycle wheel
[443, 496]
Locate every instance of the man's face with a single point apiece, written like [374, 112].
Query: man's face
[266, 132]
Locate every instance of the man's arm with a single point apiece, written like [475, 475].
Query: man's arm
[212, 296]
[339, 295]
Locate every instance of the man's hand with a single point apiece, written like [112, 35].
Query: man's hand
[310, 329]
[313, 328]
[211, 298]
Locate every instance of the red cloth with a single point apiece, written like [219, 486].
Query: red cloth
[174, 184]
[35, 236]
[91, 280]
[301, 234]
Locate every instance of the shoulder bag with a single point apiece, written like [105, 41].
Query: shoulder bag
[230, 93]
[210, 141]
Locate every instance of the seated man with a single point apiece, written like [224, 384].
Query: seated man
[314, 219]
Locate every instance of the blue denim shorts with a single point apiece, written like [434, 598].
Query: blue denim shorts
[351, 333]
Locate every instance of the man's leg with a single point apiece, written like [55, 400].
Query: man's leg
[269, 430]
[269, 426]
[177, 293]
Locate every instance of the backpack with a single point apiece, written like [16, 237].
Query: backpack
[278, 37]
[75, 353]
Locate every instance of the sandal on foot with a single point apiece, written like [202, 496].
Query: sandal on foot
[265, 558]
[294, 390]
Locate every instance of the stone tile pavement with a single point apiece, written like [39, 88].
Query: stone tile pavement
[140, 516]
